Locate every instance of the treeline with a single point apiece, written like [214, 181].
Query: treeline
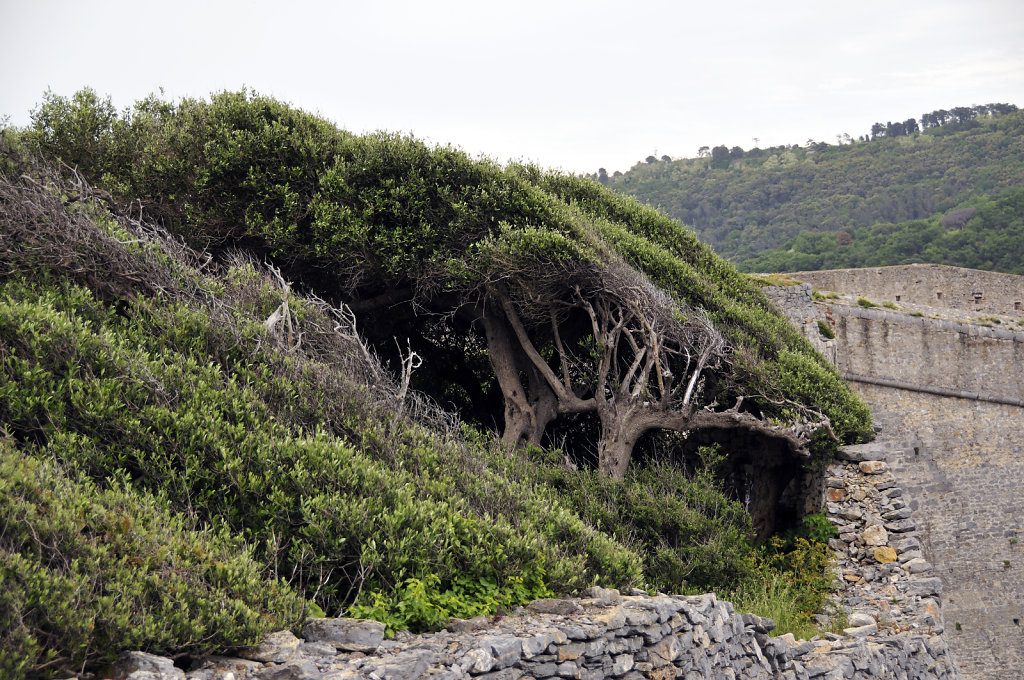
[746, 202]
[959, 117]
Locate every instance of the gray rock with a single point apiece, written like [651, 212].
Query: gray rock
[317, 650]
[858, 619]
[861, 452]
[818, 665]
[468, 625]
[478, 661]
[293, 670]
[503, 674]
[902, 513]
[901, 526]
[621, 664]
[640, 617]
[608, 596]
[917, 566]
[350, 635]
[905, 544]
[543, 670]
[563, 607]
[225, 664]
[405, 667]
[862, 631]
[277, 647]
[505, 649]
[141, 662]
[568, 670]
[536, 644]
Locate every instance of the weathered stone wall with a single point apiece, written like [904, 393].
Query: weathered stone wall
[605, 635]
[936, 285]
[964, 468]
[956, 391]
[891, 345]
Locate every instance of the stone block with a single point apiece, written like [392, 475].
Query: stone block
[902, 513]
[568, 670]
[885, 554]
[350, 635]
[917, 566]
[875, 535]
[905, 544]
[901, 526]
[857, 453]
[143, 662]
[277, 647]
[621, 664]
[873, 467]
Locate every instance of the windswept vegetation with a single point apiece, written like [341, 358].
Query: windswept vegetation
[946, 191]
[255, 368]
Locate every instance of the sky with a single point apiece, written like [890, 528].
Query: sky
[568, 85]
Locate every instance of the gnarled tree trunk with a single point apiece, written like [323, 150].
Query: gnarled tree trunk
[529, 408]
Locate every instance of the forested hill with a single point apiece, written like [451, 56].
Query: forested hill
[947, 191]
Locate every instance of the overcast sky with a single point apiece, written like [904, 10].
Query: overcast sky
[566, 84]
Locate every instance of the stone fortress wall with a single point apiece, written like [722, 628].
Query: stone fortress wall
[953, 384]
[937, 285]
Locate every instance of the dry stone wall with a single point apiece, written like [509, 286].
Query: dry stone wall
[603, 635]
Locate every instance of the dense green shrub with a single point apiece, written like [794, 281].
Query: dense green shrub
[372, 218]
[87, 571]
[375, 501]
[692, 538]
[213, 392]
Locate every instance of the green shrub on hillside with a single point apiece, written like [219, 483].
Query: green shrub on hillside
[209, 389]
[392, 225]
[88, 571]
[691, 536]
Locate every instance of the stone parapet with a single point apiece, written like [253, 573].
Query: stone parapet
[936, 285]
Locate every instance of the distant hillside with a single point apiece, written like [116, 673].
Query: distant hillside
[942, 194]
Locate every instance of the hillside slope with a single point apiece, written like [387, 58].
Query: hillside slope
[856, 204]
[200, 451]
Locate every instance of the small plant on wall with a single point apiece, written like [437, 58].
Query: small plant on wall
[826, 330]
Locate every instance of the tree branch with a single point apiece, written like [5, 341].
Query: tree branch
[568, 401]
